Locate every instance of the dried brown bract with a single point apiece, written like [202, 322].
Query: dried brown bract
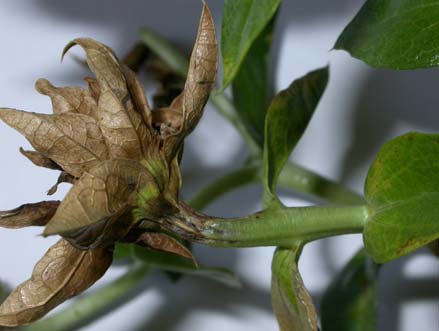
[121, 157]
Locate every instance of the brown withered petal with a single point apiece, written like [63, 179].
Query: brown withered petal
[102, 192]
[73, 141]
[199, 82]
[137, 93]
[62, 273]
[202, 71]
[40, 160]
[68, 99]
[30, 214]
[63, 177]
[103, 63]
[163, 242]
[125, 132]
[93, 87]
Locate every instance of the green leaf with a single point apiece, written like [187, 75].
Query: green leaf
[402, 192]
[286, 120]
[4, 291]
[251, 87]
[291, 302]
[166, 51]
[175, 263]
[243, 21]
[123, 252]
[397, 34]
[349, 304]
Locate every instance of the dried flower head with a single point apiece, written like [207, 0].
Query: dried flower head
[122, 158]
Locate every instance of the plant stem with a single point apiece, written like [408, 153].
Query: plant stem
[292, 177]
[283, 226]
[305, 181]
[220, 186]
[89, 308]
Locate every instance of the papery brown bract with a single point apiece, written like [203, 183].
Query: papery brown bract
[30, 214]
[165, 243]
[62, 273]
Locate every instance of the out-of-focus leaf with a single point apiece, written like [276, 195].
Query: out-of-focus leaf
[175, 263]
[99, 200]
[30, 214]
[402, 191]
[287, 118]
[123, 251]
[291, 301]
[397, 34]
[165, 243]
[252, 90]
[62, 273]
[68, 99]
[166, 51]
[434, 247]
[349, 304]
[125, 132]
[40, 159]
[73, 141]
[136, 57]
[243, 21]
[4, 291]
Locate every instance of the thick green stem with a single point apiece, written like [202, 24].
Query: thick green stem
[283, 226]
[85, 310]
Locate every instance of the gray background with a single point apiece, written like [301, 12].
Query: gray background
[361, 109]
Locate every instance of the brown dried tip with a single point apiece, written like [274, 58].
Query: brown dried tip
[165, 243]
[30, 214]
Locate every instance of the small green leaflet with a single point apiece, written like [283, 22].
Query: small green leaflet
[291, 302]
[287, 118]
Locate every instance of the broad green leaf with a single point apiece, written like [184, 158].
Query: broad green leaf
[175, 263]
[286, 120]
[243, 21]
[166, 51]
[402, 191]
[291, 302]
[349, 304]
[397, 34]
[252, 91]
